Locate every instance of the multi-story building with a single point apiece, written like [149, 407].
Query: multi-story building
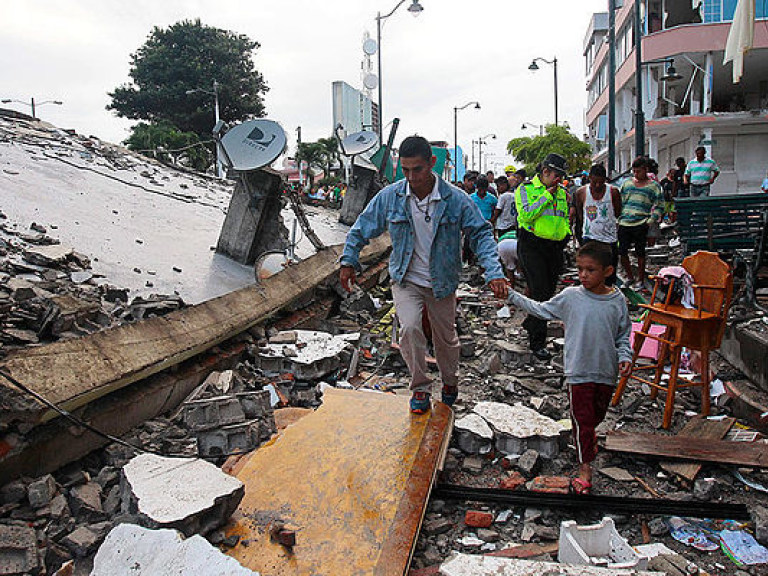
[703, 108]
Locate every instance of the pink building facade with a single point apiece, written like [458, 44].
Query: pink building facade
[703, 108]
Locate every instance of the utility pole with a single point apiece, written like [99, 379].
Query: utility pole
[611, 87]
[298, 157]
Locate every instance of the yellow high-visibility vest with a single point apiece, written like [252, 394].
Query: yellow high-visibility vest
[538, 214]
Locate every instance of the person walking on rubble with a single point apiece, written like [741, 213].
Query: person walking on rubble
[642, 203]
[425, 217]
[597, 328]
[542, 234]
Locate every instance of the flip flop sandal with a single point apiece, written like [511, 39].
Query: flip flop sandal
[581, 487]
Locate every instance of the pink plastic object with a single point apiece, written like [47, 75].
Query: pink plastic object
[650, 347]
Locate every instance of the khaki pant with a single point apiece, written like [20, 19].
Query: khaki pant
[409, 302]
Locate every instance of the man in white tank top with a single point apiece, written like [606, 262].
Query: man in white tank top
[595, 211]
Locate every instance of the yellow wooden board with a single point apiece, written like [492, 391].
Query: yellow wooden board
[353, 479]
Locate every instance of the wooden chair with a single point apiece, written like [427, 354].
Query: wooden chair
[700, 328]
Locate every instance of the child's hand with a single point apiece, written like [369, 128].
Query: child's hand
[625, 368]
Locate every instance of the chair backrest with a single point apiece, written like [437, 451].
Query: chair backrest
[707, 268]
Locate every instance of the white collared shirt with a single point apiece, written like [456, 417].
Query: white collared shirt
[423, 216]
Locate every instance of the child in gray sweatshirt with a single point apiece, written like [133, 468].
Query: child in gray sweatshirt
[597, 329]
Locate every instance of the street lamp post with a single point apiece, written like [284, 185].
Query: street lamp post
[32, 104]
[480, 143]
[527, 125]
[215, 94]
[415, 8]
[535, 67]
[456, 135]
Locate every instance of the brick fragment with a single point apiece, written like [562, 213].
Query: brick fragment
[550, 484]
[478, 519]
[513, 481]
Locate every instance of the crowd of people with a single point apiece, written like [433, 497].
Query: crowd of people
[515, 224]
[330, 195]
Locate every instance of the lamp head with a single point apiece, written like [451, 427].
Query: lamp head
[533, 66]
[59, 102]
[6, 100]
[477, 105]
[415, 8]
[671, 74]
[188, 92]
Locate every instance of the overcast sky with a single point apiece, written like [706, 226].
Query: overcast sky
[454, 52]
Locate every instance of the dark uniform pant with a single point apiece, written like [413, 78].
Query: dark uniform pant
[542, 264]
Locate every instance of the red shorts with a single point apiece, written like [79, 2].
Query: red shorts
[589, 404]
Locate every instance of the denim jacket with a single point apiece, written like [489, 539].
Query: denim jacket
[456, 213]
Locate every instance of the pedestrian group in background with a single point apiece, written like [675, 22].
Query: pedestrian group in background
[511, 226]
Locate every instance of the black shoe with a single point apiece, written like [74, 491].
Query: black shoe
[542, 354]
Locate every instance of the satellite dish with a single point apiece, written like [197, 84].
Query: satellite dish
[370, 46]
[254, 144]
[358, 142]
[370, 81]
[269, 264]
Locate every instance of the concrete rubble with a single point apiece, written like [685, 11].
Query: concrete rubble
[187, 494]
[474, 565]
[519, 428]
[131, 550]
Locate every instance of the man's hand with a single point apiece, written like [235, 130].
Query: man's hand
[347, 277]
[625, 368]
[500, 288]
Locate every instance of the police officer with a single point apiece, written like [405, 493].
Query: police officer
[543, 232]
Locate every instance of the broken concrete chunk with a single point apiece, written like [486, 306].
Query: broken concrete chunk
[47, 255]
[212, 412]
[287, 337]
[317, 354]
[479, 565]
[241, 437]
[85, 539]
[188, 494]
[85, 499]
[41, 491]
[18, 550]
[473, 434]
[131, 550]
[519, 428]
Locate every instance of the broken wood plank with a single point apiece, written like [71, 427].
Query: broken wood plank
[750, 455]
[74, 372]
[704, 429]
[353, 477]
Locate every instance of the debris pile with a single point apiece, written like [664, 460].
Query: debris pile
[49, 292]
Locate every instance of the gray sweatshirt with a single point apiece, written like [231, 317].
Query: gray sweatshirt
[597, 329]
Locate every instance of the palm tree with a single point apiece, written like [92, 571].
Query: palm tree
[313, 153]
[330, 147]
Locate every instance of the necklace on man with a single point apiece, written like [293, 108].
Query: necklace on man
[427, 217]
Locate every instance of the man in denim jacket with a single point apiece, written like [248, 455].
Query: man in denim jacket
[425, 217]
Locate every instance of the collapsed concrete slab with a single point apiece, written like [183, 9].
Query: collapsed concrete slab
[131, 550]
[476, 565]
[314, 355]
[519, 428]
[473, 434]
[188, 494]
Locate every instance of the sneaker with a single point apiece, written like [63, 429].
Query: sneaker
[542, 354]
[420, 402]
[450, 394]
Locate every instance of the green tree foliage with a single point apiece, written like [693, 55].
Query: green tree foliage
[314, 154]
[170, 145]
[330, 148]
[558, 140]
[189, 55]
